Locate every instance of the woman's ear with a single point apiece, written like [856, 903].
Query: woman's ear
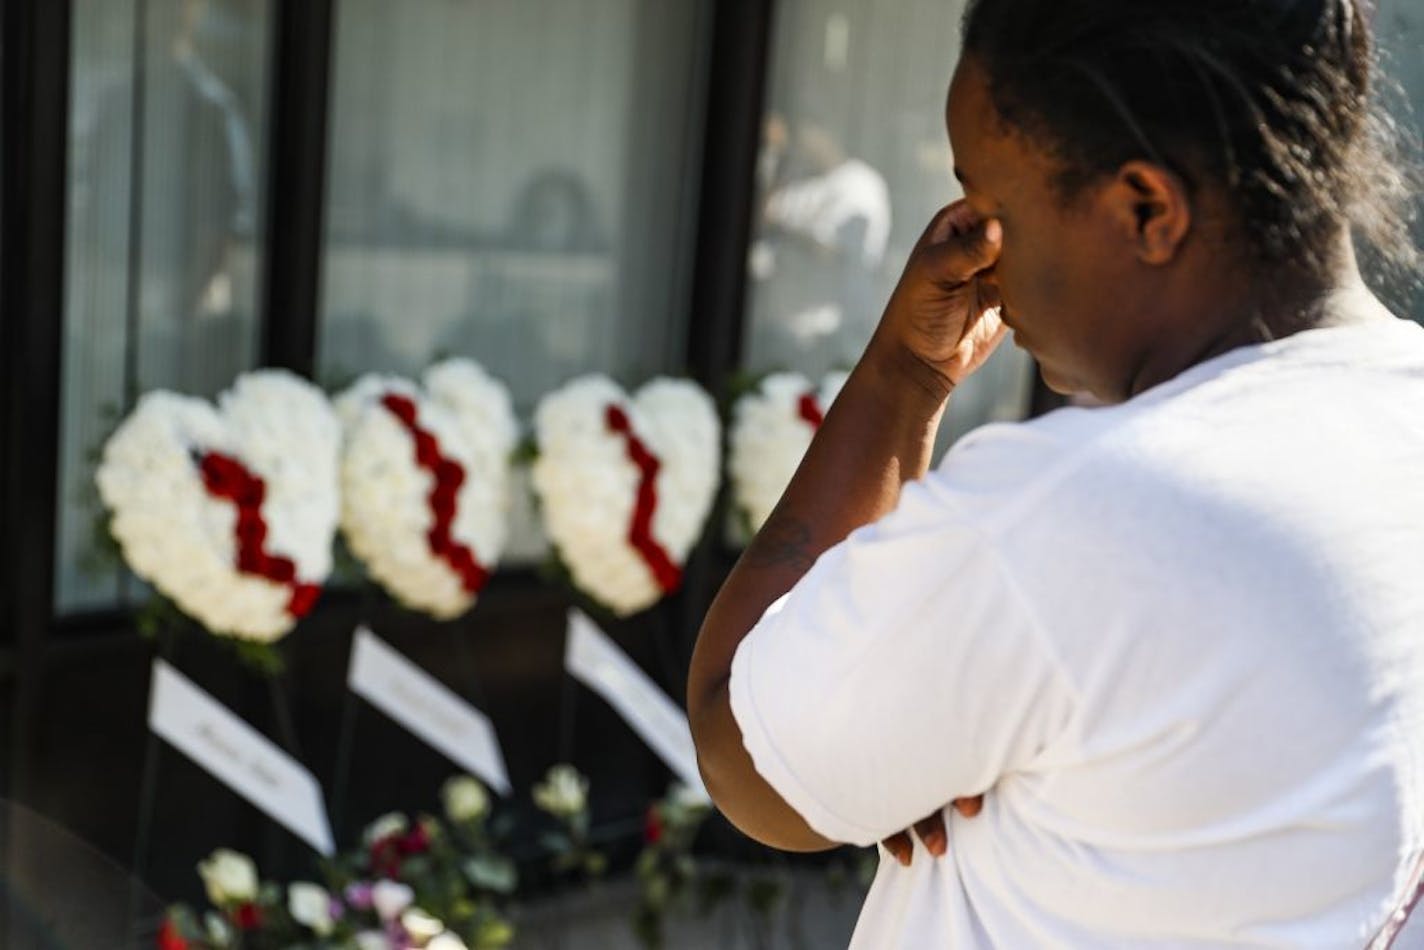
[1153, 208]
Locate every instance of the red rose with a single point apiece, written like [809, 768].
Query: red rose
[304, 598]
[617, 419]
[427, 451]
[450, 474]
[250, 560]
[280, 569]
[251, 529]
[222, 476]
[402, 407]
[248, 916]
[169, 938]
[442, 504]
[652, 826]
[385, 857]
[250, 492]
[417, 841]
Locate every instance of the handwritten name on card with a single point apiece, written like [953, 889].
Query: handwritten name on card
[237, 755]
[426, 708]
[596, 661]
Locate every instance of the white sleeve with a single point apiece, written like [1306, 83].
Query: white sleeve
[904, 670]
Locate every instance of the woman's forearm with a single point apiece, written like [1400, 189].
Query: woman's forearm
[878, 434]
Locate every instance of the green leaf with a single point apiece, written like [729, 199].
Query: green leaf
[595, 864]
[656, 891]
[493, 932]
[492, 872]
[262, 658]
[556, 841]
[526, 451]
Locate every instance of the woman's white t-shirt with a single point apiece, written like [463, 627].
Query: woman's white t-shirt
[1177, 644]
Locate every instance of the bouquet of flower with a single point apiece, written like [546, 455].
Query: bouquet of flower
[666, 867]
[426, 883]
[228, 511]
[425, 480]
[772, 428]
[626, 484]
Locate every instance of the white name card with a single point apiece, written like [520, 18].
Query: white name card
[237, 755]
[595, 660]
[426, 708]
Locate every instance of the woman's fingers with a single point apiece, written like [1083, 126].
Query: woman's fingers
[900, 847]
[931, 831]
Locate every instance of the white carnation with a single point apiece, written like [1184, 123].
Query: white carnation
[769, 438]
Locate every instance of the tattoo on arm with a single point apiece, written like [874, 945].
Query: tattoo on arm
[783, 542]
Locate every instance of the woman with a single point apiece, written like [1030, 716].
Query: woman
[1167, 656]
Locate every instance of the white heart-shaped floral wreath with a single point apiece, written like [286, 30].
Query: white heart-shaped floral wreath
[772, 428]
[625, 484]
[229, 511]
[425, 479]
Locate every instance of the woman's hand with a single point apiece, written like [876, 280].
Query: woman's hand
[931, 831]
[945, 310]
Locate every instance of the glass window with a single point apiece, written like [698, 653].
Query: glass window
[167, 137]
[1399, 26]
[854, 162]
[514, 181]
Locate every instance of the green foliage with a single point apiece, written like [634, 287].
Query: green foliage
[455, 869]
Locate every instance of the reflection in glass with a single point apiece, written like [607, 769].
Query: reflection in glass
[854, 161]
[513, 181]
[165, 185]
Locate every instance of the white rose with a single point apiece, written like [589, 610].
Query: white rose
[421, 926]
[393, 823]
[372, 940]
[563, 793]
[390, 899]
[465, 798]
[446, 941]
[310, 906]
[230, 877]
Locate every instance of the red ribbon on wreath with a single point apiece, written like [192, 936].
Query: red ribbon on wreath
[640, 532]
[227, 478]
[449, 476]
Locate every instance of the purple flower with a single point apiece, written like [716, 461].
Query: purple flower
[358, 895]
